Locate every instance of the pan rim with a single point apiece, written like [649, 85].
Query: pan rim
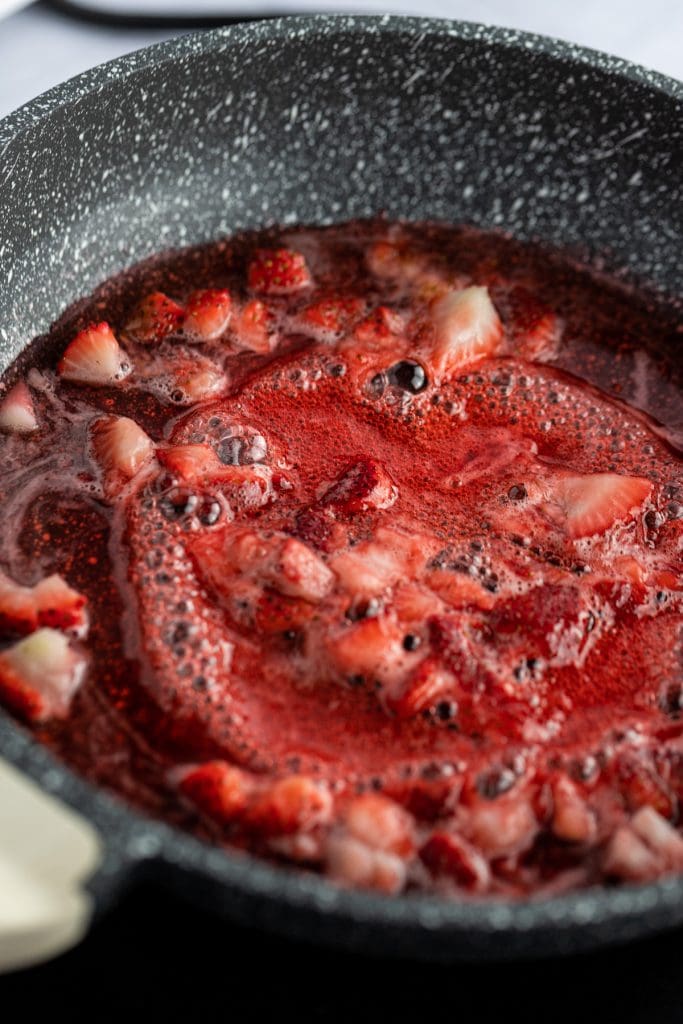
[133, 838]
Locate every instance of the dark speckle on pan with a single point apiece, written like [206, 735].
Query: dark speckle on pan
[317, 120]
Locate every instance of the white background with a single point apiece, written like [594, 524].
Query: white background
[39, 47]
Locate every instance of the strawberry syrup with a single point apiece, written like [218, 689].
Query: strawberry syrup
[398, 596]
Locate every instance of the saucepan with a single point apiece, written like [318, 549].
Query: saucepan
[314, 120]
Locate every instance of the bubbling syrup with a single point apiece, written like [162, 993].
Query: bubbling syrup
[411, 623]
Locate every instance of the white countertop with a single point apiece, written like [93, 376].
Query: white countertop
[39, 47]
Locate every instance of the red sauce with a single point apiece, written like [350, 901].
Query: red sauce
[387, 581]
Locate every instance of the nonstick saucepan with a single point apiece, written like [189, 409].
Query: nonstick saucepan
[315, 120]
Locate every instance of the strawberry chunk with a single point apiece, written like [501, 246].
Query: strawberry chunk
[155, 317]
[17, 413]
[221, 790]
[94, 357]
[446, 854]
[207, 314]
[196, 381]
[296, 803]
[281, 562]
[51, 602]
[329, 318]
[467, 328]
[278, 272]
[380, 329]
[363, 486]
[121, 445]
[40, 675]
[572, 818]
[253, 327]
[381, 823]
[590, 504]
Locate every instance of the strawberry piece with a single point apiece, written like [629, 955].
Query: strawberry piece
[428, 684]
[467, 328]
[59, 605]
[379, 329]
[276, 613]
[278, 272]
[660, 836]
[198, 464]
[253, 327]
[329, 318]
[196, 381]
[221, 790]
[447, 854]
[363, 486]
[629, 858]
[381, 823]
[371, 649]
[207, 314]
[155, 317]
[293, 804]
[40, 675]
[17, 413]
[503, 826]
[572, 819]
[121, 445]
[94, 357]
[590, 504]
[280, 562]
[535, 329]
[191, 461]
[51, 602]
[356, 864]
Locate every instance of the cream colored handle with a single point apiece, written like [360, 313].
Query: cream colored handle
[47, 853]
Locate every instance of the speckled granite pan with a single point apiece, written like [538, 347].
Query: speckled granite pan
[321, 119]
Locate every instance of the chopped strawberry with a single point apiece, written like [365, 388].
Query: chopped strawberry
[503, 826]
[329, 317]
[207, 314]
[590, 504]
[535, 329]
[51, 602]
[40, 674]
[466, 328]
[155, 317]
[94, 357]
[253, 327]
[371, 650]
[363, 486]
[660, 836]
[251, 486]
[59, 605]
[428, 684]
[278, 272]
[293, 804]
[277, 613]
[381, 823]
[572, 818]
[17, 413]
[354, 863]
[372, 566]
[379, 329]
[191, 461]
[221, 790]
[629, 858]
[197, 384]
[121, 445]
[446, 854]
[278, 561]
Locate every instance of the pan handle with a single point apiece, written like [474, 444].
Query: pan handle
[47, 854]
